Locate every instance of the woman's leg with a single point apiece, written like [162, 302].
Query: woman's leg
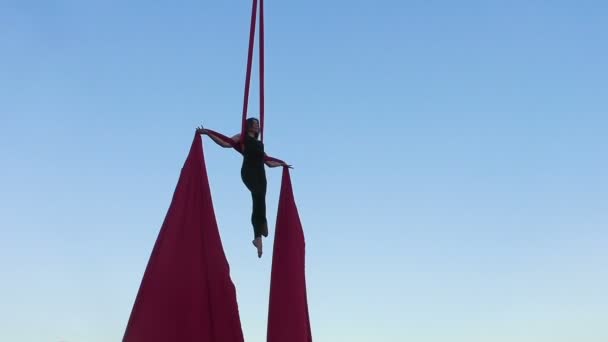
[257, 187]
[258, 213]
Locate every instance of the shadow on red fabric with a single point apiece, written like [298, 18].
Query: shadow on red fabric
[186, 293]
[288, 318]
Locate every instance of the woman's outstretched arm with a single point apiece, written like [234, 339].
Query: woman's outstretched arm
[274, 162]
[218, 138]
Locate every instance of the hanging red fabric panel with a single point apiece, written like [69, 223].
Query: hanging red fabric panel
[288, 318]
[186, 293]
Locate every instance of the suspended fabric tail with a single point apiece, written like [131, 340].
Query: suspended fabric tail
[186, 293]
[288, 318]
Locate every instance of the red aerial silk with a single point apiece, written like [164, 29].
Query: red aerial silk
[249, 66]
[288, 308]
[288, 318]
[186, 293]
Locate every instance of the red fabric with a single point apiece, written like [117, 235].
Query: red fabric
[261, 47]
[254, 8]
[249, 66]
[288, 318]
[186, 293]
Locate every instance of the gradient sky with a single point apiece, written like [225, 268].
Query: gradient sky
[451, 165]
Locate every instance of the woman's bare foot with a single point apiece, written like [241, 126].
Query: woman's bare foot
[258, 244]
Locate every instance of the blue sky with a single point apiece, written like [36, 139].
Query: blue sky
[450, 161]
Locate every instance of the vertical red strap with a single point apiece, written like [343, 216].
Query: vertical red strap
[249, 66]
[249, 63]
[262, 70]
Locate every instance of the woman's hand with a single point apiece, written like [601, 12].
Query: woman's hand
[277, 164]
[201, 130]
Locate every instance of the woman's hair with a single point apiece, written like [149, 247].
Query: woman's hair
[250, 122]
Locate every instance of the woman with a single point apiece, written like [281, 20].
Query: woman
[253, 173]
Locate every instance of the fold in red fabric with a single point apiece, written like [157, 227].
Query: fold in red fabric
[186, 293]
[288, 318]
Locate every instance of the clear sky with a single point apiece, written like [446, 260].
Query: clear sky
[451, 165]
